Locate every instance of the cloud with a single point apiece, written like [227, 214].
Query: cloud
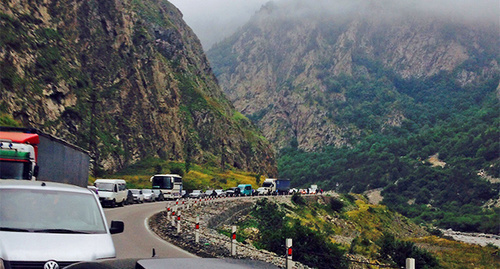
[213, 20]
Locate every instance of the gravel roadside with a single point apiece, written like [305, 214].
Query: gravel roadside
[213, 213]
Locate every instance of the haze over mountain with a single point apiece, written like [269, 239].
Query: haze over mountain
[282, 69]
[214, 20]
[397, 96]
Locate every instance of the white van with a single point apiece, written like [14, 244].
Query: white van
[111, 191]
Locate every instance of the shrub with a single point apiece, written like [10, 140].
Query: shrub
[298, 199]
[312, 249]
[398, 251]
[336, 205]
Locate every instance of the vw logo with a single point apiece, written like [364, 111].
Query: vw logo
[51, 265]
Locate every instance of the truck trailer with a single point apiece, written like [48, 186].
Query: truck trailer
[30, 154]
[276, 186]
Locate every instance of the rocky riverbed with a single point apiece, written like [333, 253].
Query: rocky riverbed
[473, 238]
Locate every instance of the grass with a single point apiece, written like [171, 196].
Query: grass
[454, 254]
[198, 177]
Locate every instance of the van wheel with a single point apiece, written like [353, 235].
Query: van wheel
[113, 203]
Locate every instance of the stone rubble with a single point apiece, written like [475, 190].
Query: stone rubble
[213, 213]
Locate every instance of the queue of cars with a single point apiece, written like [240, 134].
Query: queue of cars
[240, 190]
[113, 192]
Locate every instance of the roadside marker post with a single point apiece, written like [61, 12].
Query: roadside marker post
[197, 230]
[179, 222]
[410, 263]
[173, 218]
[233, 241]
[289, 261]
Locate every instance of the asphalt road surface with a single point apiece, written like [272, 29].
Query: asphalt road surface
[137, 241]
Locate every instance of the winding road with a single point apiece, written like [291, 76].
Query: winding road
[137, 241]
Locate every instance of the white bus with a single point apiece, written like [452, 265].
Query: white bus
[169, 184]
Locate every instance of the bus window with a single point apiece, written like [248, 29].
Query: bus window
[162, 182]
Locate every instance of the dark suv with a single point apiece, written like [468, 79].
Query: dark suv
[233, 192]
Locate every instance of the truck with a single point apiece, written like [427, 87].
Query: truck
[276, 186]
[30, 154]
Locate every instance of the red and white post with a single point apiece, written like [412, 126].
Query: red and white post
[289, 261]
[233, 241]
[197, 230]
[179, 222]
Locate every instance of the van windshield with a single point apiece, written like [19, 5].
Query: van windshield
[105, 186]
[49, 212]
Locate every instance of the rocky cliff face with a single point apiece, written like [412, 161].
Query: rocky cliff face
[125, 79]
[283, 68]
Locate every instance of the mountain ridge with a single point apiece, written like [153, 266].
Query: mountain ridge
[125, 79]
[279, 66]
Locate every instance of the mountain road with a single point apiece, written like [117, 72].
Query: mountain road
[137, 241]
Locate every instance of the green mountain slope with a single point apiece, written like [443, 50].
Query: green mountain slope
[126, 80]
[357, 101]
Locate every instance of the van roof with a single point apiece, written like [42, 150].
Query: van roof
[105, 180]
[167, 175]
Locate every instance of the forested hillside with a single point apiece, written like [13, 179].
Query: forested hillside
[379, 94]
[452, 195]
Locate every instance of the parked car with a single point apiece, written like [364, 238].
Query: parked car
[233, 192]
[245, 189]
[159, 195]
[196, 194]
[149, 195]
[52, 225]
[130, 198]
[220, 193]
[262, 191]
[138, 196]
[210, 193]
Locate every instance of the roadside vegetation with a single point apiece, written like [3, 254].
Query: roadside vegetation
[334, 232]
[198, 177]
[439, 166]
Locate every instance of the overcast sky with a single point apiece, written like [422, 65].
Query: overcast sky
[213, 20]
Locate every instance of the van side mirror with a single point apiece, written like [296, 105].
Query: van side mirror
[116, 227]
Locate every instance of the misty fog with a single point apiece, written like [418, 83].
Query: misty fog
[214, 20]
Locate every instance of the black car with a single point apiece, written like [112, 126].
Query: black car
[233, 192]
[130, 198]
